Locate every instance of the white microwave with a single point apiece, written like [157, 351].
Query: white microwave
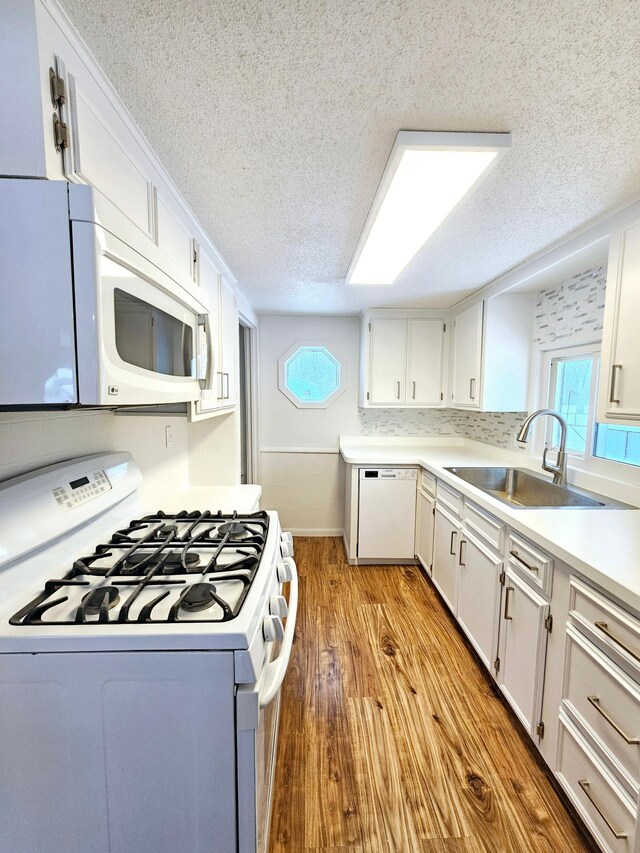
[89, 314]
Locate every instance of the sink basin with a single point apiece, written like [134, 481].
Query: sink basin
[523, 489]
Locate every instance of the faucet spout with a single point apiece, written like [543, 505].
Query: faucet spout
[559, 470]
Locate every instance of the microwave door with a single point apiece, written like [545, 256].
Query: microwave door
[143, 327]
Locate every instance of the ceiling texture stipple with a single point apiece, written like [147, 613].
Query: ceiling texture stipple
[275, 120]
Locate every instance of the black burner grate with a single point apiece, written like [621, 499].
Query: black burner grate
[144, 554]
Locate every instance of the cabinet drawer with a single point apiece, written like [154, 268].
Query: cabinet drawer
[608, 701]
[484, 525]
[604, 807]
[615, 630]
[428, 483]
[532, 563]
[453, 500]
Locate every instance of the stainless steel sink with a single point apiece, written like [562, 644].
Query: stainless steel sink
[523, 489]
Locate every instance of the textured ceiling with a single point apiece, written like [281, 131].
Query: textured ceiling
[276, 119]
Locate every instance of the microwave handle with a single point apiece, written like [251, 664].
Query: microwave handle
[205, 349]
[277, 669]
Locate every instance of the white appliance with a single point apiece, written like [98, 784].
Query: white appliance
[387, 513]
[140, 667]
[89, 316]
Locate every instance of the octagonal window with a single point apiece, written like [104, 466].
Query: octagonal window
[310, 376]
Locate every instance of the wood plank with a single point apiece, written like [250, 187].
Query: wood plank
[392, 738]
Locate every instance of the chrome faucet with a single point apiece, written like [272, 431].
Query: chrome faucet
[559, 470]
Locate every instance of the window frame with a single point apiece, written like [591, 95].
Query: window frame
[312, 404]
[588, 463]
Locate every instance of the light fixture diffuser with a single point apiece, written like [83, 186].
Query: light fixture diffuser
[427, 175]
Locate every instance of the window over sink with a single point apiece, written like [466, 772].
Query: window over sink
[573, 381]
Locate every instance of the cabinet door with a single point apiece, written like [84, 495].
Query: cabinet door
[445, 557]
[424, 529]
[228, 344]
[467, 357]
[479, 596]
[387, 361]
[209, 280]
[424, 362]
[174, 237]
[522, 652]
[619, 389]
[101, 153]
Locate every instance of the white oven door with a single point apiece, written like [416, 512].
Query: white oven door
[257, 717]
[141, 337]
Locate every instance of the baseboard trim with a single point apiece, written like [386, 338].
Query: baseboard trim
[307, 531]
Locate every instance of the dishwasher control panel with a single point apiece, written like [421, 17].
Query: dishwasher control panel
[388, 474]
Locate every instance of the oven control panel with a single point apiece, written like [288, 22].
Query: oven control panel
[85, 488]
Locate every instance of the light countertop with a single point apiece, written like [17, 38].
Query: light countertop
[601, 544]
[214, 498]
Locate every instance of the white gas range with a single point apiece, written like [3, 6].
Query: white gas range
[141, 659]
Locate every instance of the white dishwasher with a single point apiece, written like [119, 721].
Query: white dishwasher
[387, 513]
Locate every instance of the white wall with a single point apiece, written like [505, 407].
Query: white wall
[32, 440]
[307, 488]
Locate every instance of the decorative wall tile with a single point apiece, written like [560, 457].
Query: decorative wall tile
[574, 308]
[497, 428]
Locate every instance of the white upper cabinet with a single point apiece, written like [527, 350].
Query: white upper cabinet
[173, 236]
[491, 354]
[219, 396]
[97, 156]
[229, 343]
[619, 388]
[402, 358]
[388, 361]
[69, 123]
[467, 357]
[424, 362]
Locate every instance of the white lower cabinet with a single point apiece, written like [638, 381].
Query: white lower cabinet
[607, 810]
[445, 556]
[479, 596]
[424, 529]
[522, 649]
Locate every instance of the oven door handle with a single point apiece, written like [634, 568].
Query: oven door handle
[277, 668]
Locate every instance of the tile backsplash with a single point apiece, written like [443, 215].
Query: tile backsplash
[572, 311]
[497, 428]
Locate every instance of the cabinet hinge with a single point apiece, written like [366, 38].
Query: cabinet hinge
[58, 89]
[60, 133]
[540, 730]
[496, 664]
[503, 577]
[444, 327]
[433, 510]
[548, 623]
[441, 395]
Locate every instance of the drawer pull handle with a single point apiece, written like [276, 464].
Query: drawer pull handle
[526, 565]
[507, 615]
[602, 626]
[595, 701]
[584, 784]
[463, 542]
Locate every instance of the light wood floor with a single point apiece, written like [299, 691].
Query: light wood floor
[391, 737]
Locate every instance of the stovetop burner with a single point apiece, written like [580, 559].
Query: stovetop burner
[153, 561]
[235, 530]
[199, 596]
[96, 599]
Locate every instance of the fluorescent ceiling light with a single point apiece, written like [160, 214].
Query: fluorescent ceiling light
[426, 176]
